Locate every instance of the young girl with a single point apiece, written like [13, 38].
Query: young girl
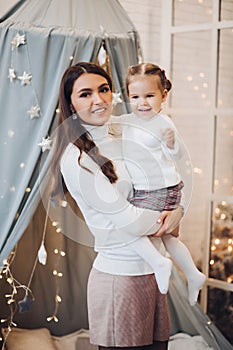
[125, 307]
[150, 147]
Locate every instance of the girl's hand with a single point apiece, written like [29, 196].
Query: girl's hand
[170, 221]
[168, 137]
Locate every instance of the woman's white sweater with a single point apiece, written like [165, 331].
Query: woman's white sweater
[113, 221]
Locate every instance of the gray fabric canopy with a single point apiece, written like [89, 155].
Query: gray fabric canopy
[39, 40]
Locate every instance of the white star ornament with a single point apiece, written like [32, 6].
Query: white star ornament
[34, 112]
[25, 78]
[45, 144]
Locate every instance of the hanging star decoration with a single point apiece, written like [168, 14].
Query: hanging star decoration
[26, 302]
[12, 75]
[25, 78]
[34, 112]
[18, 40]
[116, 98]
[45, 144]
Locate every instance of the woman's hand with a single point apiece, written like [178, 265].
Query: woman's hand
[170, 223]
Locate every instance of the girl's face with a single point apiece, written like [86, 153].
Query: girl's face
[92, 99]
[145, 96]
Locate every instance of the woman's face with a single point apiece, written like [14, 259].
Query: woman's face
[92, 99]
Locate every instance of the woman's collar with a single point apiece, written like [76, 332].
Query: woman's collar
[97, 131]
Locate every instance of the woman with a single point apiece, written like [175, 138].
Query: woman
[125, 308]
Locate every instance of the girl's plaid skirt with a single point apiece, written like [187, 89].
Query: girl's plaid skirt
[163, 199]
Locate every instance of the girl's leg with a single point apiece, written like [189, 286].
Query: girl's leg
[182, 256]
[162, 266]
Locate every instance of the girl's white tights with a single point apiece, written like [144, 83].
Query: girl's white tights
[162, 266]
[180, 253]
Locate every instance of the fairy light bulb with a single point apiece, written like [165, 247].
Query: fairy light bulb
[58, 298]
[217, 211]
[63, 203]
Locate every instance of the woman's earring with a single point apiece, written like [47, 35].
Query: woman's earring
[73, 115]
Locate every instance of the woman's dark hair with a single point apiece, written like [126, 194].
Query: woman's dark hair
[144, 69]
[71, 130]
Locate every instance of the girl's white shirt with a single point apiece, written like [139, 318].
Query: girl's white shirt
[150, 163]
[112, 220]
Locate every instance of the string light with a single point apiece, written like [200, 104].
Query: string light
[58, 274]
[63, 203]
[197, 170]
[11, 297]
[223, 216]
[11, 133]
[55, 223]
[222, 242]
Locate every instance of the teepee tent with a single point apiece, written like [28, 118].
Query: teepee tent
[39, 40]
